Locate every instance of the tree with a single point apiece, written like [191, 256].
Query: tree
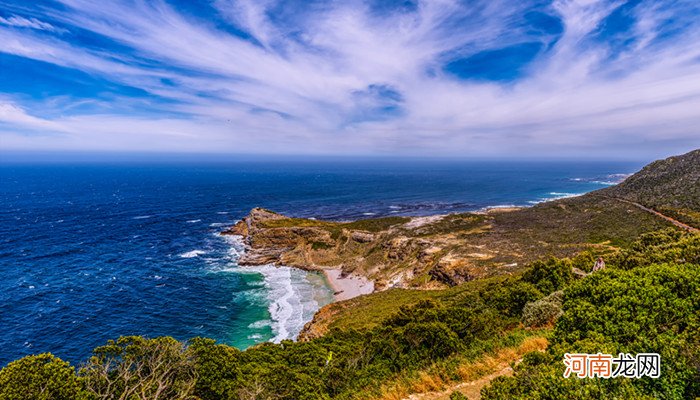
[134, 367]
[218, 372]
[39, 377]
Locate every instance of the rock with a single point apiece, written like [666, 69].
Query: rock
[451, 271]
[239, 229]
[578, 273]
[361, 237]
[428, 253]
[251, 223]
[397, 248]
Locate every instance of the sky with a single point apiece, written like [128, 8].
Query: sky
[477, 78]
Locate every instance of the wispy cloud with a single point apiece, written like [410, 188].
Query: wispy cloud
[32, 23]
[487, 77]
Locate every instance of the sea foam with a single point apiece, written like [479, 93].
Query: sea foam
[193, 254]
[293, 296]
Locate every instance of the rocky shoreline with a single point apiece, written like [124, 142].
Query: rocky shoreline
[272, 238]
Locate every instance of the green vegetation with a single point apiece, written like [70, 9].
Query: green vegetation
[647, 300]
[458, 396]
[287, 222]
[370, 225]
[375, 224]
[543, 311]
[453, 223]
[39, 377]
[135, 367]
[414, 338]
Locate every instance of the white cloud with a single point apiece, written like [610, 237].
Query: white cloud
[297, 92]
[32, 23]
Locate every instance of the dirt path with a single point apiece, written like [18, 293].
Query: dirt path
[470, 389]
[658, 214]
[479, 373]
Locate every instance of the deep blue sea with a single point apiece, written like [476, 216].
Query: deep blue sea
[89, 252]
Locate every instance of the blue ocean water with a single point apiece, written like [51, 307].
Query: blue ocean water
[89, 252]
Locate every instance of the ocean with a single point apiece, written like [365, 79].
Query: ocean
[94, 251]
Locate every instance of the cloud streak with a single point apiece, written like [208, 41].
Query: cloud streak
[32, 23]
[579, 77]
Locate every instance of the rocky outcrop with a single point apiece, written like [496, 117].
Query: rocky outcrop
[273, 238]
[361, 237]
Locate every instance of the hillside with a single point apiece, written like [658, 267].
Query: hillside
[670, 186]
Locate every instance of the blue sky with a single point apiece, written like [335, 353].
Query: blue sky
[501, 78]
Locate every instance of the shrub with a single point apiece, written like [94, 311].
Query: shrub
[549, 276]
[543, 311]
[510, 296]
[217, 367]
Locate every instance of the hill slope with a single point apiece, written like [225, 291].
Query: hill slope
[670, 186]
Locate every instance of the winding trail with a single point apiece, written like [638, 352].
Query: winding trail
[658, 214]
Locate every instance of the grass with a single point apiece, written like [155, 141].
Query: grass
[452, 223]
[374, 224]
[295, 222]
[482, 359]
[368, 311]
[370, 225]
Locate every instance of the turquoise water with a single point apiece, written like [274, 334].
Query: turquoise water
[89, 252]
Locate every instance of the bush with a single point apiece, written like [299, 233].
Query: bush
[543, 311]
[217, 368]
[549, 276]
[667, 246]
[458, 396]
[39, 377]
[510, 296]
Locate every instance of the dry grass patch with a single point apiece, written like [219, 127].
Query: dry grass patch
[439, 381]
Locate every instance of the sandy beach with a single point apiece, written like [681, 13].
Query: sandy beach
[349, 286]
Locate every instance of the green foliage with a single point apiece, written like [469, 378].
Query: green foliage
[375, 224]
[549, 276]
[39, 377]
[511, 296]
[634, 306]
[458, 396]
[217, 368]
[669, 245]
